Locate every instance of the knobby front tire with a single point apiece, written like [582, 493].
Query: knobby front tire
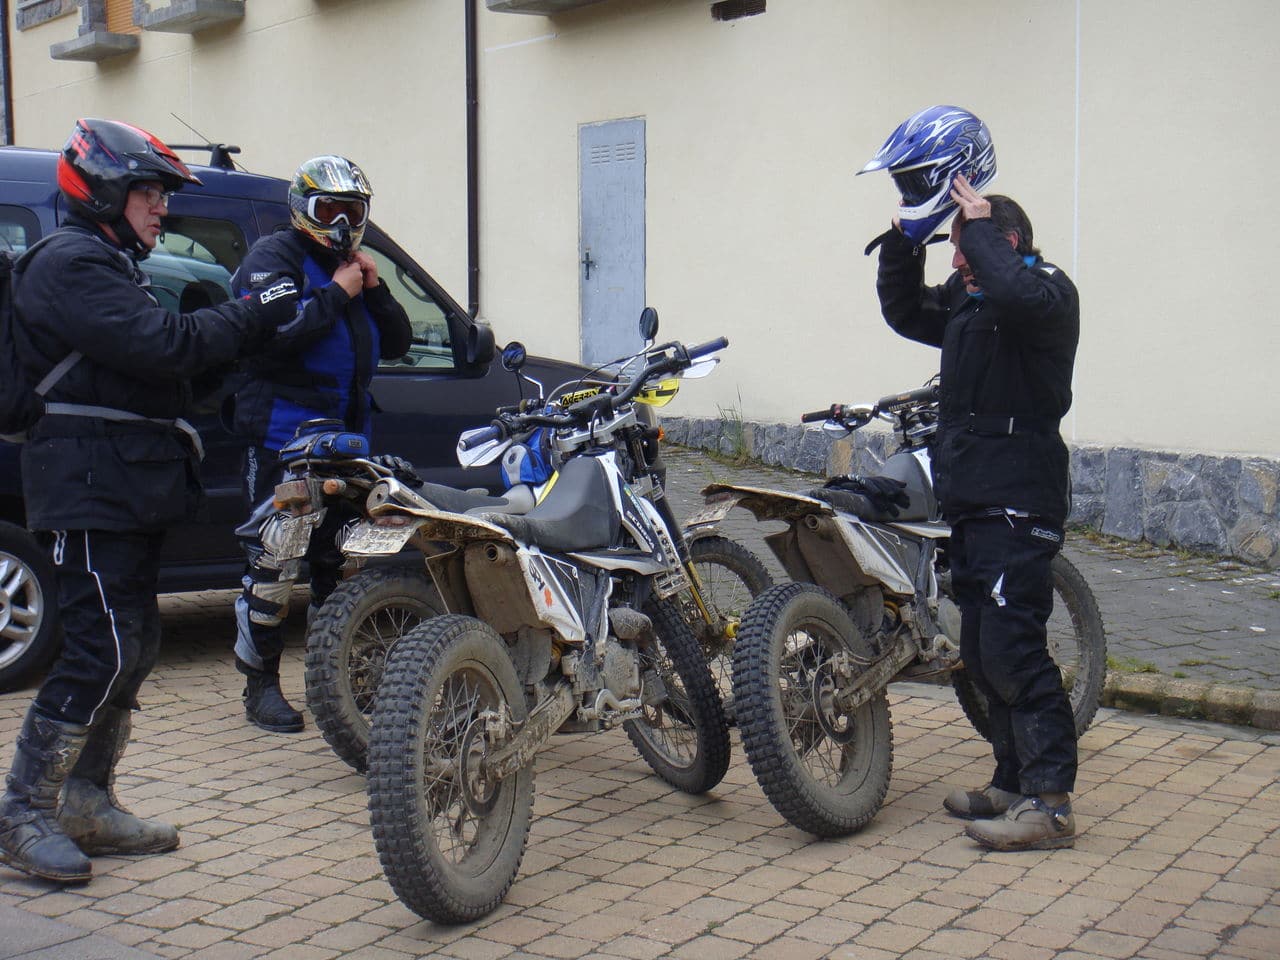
[682, 734]
[1077, 642]
[450, 842]
[825, 771]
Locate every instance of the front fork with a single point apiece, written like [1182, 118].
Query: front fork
[660, 502]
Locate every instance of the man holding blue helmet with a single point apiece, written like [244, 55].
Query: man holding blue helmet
[1007, 324]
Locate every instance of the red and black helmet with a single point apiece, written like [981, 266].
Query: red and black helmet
[102, 159]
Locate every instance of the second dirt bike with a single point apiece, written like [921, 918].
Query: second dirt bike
[870, 604]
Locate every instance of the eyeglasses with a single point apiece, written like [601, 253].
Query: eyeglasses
[329, 210]
[154, 196]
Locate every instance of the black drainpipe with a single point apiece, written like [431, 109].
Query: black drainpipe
[473, 165]
[6, 78]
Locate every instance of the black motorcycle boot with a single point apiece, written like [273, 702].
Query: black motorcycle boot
[30, 838]
[90, 814]
[264, 703]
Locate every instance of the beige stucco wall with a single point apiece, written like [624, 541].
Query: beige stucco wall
[1135, 133]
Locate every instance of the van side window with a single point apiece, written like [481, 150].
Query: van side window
[191, 266]
[19, 229]
[431, 348]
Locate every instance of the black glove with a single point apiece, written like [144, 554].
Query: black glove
[400, 468]
[884, 494]
[275, 305]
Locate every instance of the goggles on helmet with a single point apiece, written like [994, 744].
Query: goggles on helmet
[328, 210]
[916, 186]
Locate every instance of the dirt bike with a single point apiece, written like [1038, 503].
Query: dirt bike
[870, 605]
[559, 619]
[350, 637]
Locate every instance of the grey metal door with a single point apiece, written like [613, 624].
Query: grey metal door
[611, 237]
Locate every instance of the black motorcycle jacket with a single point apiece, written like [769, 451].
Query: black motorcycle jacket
[80, 292]
[1007, 360]
[325, 371]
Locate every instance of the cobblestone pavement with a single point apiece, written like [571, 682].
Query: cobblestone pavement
[1183, 616]
[1179, 853]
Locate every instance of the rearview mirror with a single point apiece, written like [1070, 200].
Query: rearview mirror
[479, 345]
[514, 356]
[648, 324]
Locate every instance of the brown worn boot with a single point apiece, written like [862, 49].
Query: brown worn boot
[91, 815]
[982, 804]
[1030, 824]
[30, 838]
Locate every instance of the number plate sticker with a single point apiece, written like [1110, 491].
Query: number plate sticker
[292, 535]
[371, 539]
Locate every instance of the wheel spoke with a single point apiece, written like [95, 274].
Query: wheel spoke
[807, 649]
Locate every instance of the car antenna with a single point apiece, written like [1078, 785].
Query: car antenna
[220, 154]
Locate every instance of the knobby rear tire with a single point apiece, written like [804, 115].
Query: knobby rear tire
[1087, 649]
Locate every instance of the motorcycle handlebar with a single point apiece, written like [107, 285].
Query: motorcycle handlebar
[711, 346]
[495, 431]
[926, 394]
[817, 416]
[601, 403]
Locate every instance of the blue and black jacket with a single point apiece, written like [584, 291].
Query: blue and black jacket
[325, 370]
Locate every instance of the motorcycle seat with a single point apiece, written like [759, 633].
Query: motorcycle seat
[578, 513]
[519, 499]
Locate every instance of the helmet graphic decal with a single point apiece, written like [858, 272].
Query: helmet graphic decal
[329, 202]
[103, 159]
[924, 155]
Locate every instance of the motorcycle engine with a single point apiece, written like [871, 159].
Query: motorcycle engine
[621, 673]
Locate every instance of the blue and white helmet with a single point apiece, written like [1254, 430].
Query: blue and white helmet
[924, 155]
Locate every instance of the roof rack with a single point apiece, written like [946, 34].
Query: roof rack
[219, 153]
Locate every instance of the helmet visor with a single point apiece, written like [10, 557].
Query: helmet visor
[916, 186]
[329, 210]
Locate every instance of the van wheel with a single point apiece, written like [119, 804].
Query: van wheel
[29, 635]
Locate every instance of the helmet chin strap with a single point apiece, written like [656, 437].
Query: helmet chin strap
[342, 240]
[127, 238]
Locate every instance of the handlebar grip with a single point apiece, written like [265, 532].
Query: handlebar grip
[711, 346]
[818, 416]
[928, 393]
[493, 432]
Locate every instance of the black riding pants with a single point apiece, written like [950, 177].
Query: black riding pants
[1000, 570]
[110, 620]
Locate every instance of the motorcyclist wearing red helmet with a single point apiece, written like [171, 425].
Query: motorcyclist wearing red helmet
[106, 469]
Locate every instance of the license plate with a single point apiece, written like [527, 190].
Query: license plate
[371, 539]
[293, 534]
